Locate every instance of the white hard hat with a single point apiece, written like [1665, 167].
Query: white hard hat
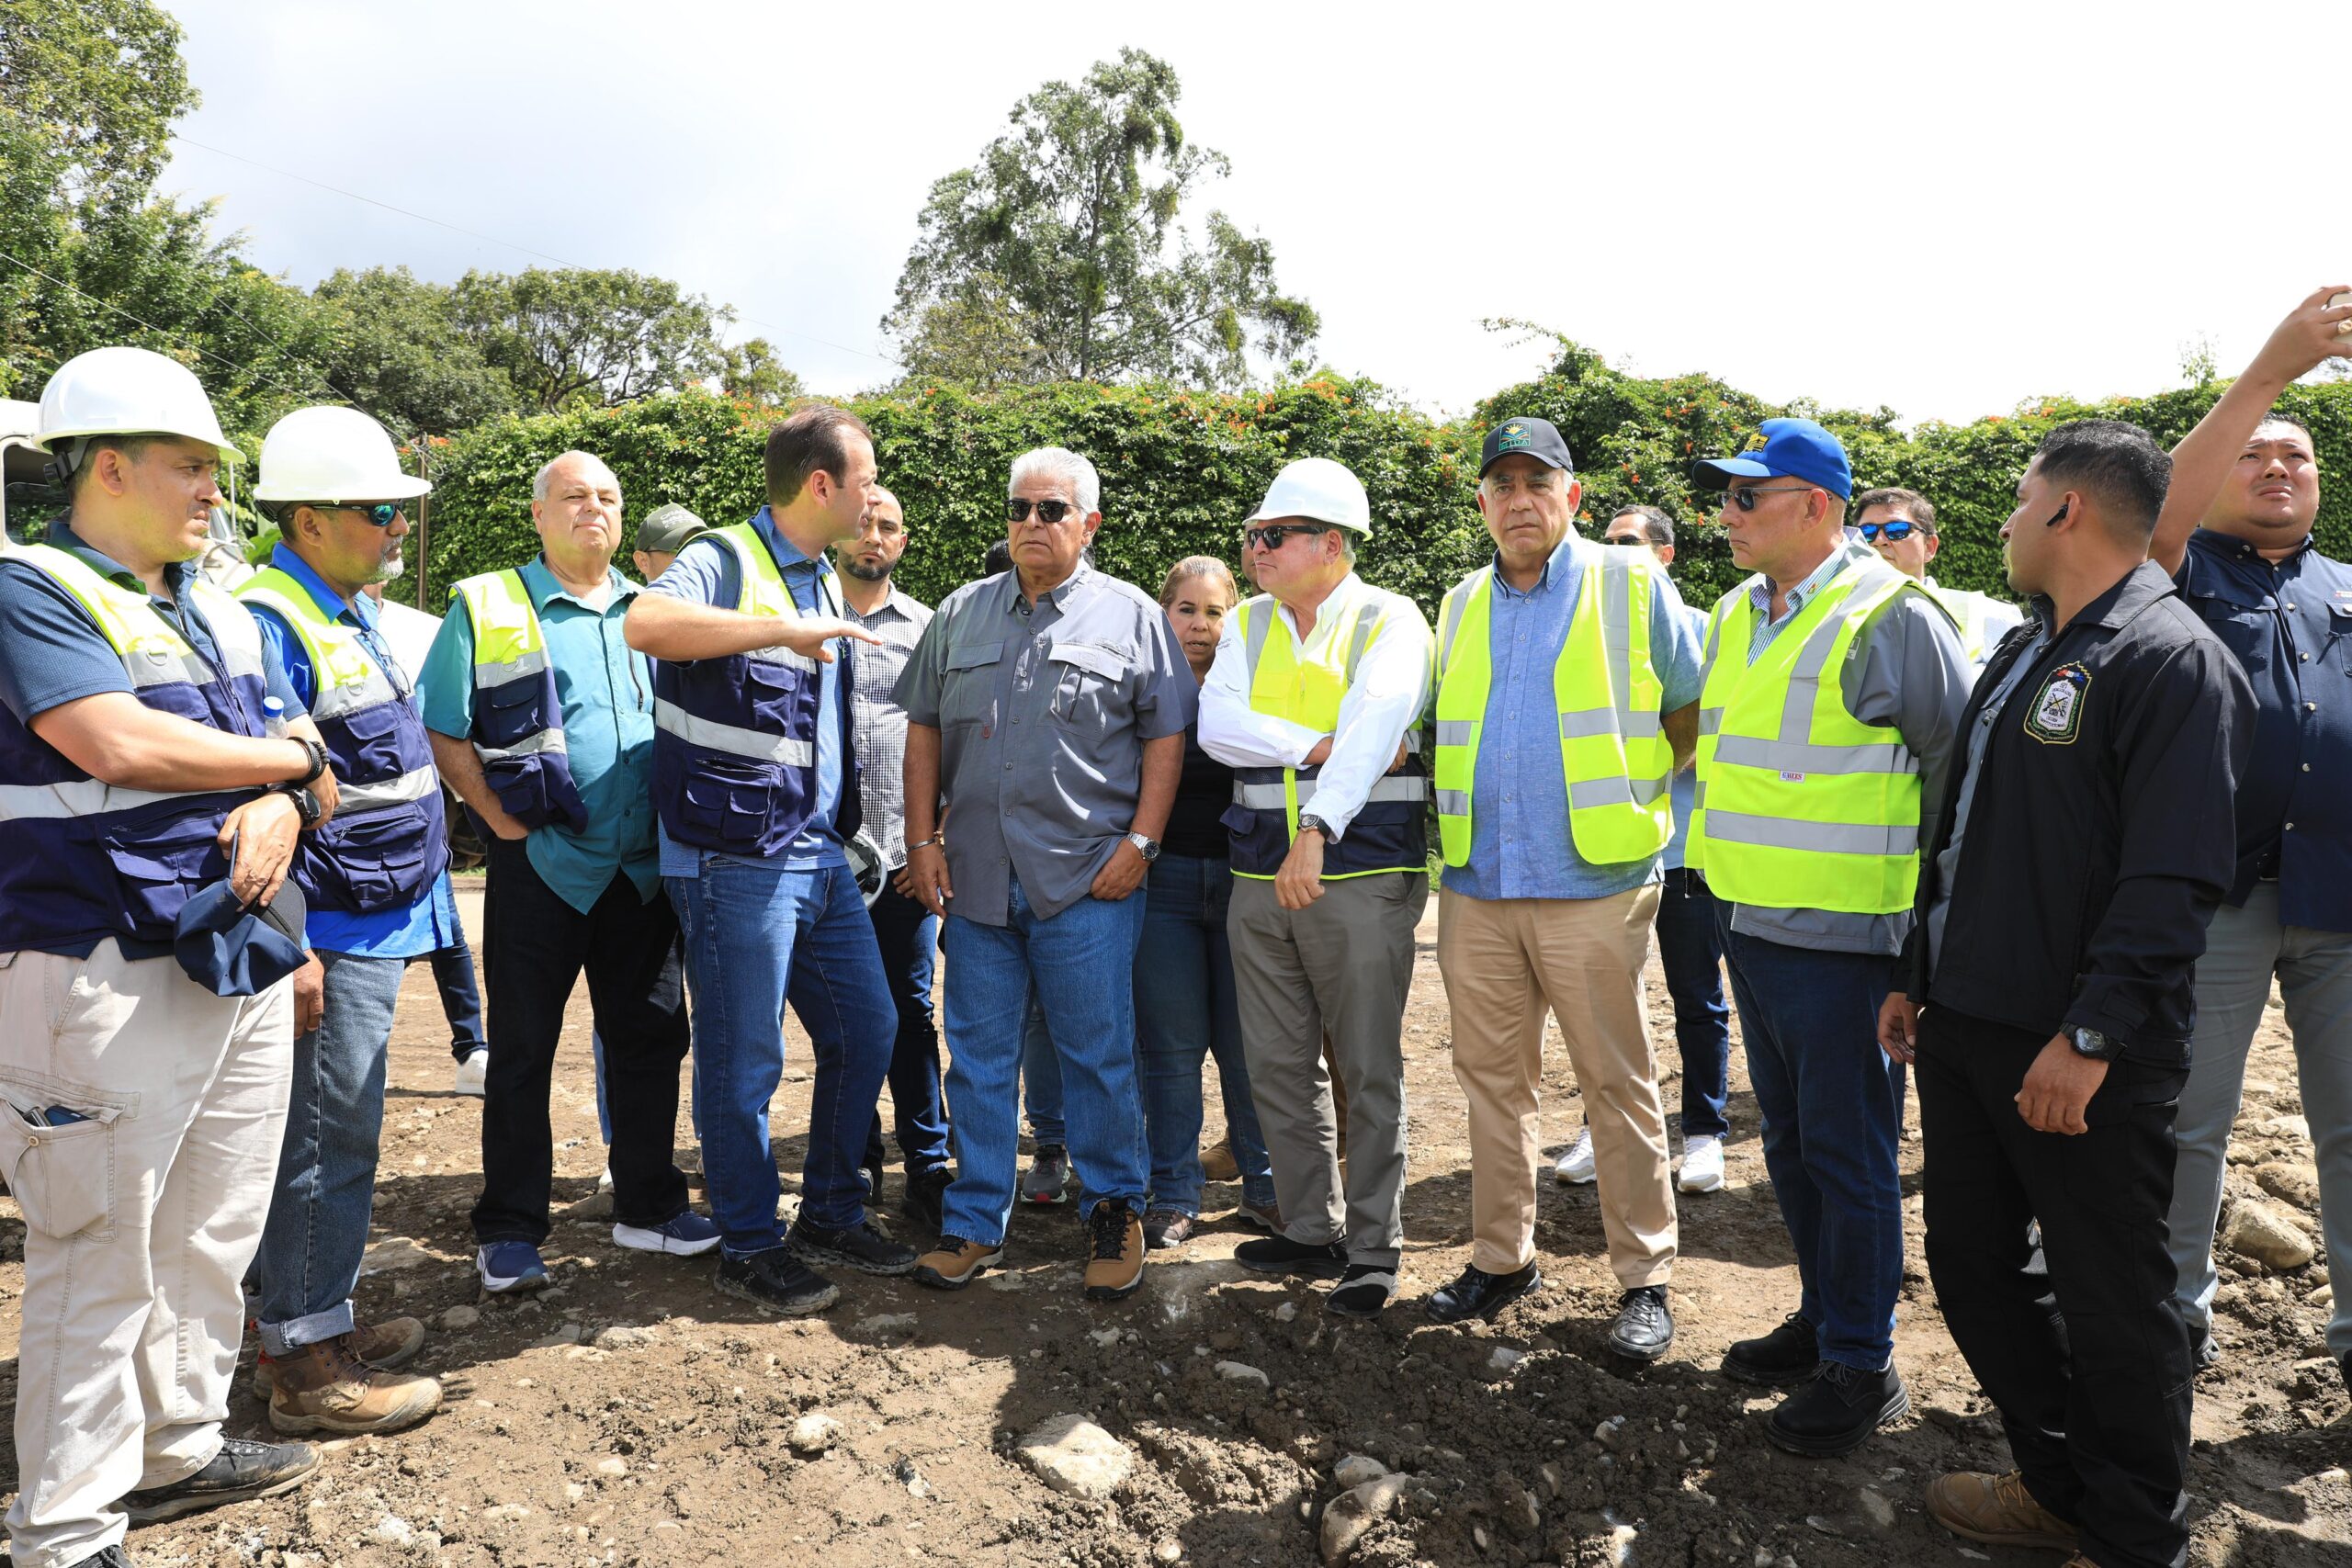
[1320, 489]
[127, 391]
[333, 454]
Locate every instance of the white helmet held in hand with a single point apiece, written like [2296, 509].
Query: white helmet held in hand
[126, 391]
[329, 454]
[1321, 489]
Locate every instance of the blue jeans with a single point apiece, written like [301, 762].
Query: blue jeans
[756, 940]
[317, 1231]
[1692, 953]
[1185, 1010]
[1810, 1019]
[909, 936]
[1063, 964]
[1041, 1081]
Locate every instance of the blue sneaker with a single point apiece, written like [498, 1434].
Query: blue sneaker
[688, 1235]
[507, 1266]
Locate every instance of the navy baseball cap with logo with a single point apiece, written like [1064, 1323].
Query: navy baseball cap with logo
[1794, 448]
[1536, 437]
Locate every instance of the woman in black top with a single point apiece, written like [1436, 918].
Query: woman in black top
[1184, 975]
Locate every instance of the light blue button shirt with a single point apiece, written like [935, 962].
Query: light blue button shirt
[1686, 783]
[1520, 846]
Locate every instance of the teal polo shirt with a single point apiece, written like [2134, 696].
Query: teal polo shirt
[606, 690]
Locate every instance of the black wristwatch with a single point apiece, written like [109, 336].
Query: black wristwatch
[305, 802]
[1310, 823]
[2096, 1046]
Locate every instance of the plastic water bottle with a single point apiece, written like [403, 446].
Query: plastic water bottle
[273, 717]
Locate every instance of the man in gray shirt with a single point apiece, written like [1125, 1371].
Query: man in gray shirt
[1046, 709]
[908, 933]
[1829, 722]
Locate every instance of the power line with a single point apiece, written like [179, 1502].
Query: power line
[495, 240]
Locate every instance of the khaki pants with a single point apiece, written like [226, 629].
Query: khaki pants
[1343, 965]
[140, 1222]
[1504, 961]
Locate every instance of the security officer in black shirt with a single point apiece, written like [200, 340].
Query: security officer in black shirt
[2062, 906]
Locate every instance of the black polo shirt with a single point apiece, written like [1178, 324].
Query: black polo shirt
[2100, 832]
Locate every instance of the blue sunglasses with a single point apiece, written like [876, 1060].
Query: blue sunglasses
[380, 512]
[1895, 532]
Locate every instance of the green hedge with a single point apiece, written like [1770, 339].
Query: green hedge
[1181, 469]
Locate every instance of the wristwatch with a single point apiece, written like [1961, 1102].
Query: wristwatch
[1148, 847]
[1310, 823]
[2096, 1046]
[305, 801]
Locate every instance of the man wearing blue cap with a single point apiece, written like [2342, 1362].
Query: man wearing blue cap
[1811, 794]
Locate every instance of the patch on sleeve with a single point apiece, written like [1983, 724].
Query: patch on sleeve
[2056, 715]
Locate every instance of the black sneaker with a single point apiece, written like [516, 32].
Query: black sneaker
[1477, 1293]
[1280, 1255]
[927, 1196]
[1782, 1358]
[112, 1557]
[770, 1279]
[1364, 1290]
[1644, 1327]
[242, 1470]
[1834, 1413]
[858, 1246]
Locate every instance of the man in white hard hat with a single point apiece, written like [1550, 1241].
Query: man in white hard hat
[144, 1074]
[1315, 701]
[1567, 691]
[331, 477]
[1900, 524]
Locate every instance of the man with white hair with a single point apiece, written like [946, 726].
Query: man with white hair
[1046, 709]
[542, 720]
[1315, 701]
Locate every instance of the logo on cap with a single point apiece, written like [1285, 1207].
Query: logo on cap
[1513, 437]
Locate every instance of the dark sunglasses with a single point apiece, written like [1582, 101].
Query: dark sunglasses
[1017, 509]
[380, 513]
[1272, 537]
[1895, 532]
[1745, 495]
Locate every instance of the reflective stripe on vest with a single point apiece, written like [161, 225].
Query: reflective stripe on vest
[518, 730]
[80, 860]
[762, 594]
[1614, 756]
[1387, 834]
[1799, 805]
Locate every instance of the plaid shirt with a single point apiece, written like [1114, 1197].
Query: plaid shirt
[881, 724]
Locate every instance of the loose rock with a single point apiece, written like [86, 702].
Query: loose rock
[2292, 1181]
[813, 1435]
[459, 1317]
[1355, 1511]
[1075, 1457]
[2261, 1233]
[1357, 1469]
[393, 1531]
[1243, 1373]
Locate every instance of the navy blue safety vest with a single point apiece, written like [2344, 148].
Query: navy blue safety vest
[518, 714]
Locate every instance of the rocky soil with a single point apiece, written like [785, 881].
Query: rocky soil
[633, 1416]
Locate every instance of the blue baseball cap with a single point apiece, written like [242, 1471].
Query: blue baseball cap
[1794, 448]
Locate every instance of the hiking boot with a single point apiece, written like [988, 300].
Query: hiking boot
[1996, 1510]
[1645, 1327]
[1115, 1270]
[1047, 1179]
[956, 1263]
[1280, 1255]
[1838, 1410]
[1164, 1228]
[1782, 1358]
[242, 1470]
[382, 1346]
[774, 1280]
[1217, 1163]
[1267, 1216]
[858, 1246]
[1477, 1293]
[927, 1196]
[325, 1388]
[1364, 1290]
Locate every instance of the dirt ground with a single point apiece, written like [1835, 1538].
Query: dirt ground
[634, 1416]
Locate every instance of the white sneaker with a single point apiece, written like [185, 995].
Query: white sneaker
[605, 1182]
[1702, 1164]
[1576, 1167]
[473, 1073]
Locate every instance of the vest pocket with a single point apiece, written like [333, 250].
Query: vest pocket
[375, 739]
[62, 1177]
[777, 694]
[372, 861]
[729, 801]
[158, 865]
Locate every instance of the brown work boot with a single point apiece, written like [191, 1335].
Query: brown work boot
[383, 1346]
[1996, 1510]
[1217, 1163]
[1115, 1270]
[324, 1388]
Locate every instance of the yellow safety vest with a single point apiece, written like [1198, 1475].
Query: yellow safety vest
[1618, 762]
[1799, 805]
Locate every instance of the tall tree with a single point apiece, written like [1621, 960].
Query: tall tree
[1064, 254]
[577, 335]
[396, 349]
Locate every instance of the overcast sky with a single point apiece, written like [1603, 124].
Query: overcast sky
[1943, 209]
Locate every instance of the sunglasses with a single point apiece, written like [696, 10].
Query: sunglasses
[1895, 532]
[380, 512]
[1048, 512]
[1272, 537]
[1745, 495]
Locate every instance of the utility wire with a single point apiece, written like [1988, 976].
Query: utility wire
[494, 240]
